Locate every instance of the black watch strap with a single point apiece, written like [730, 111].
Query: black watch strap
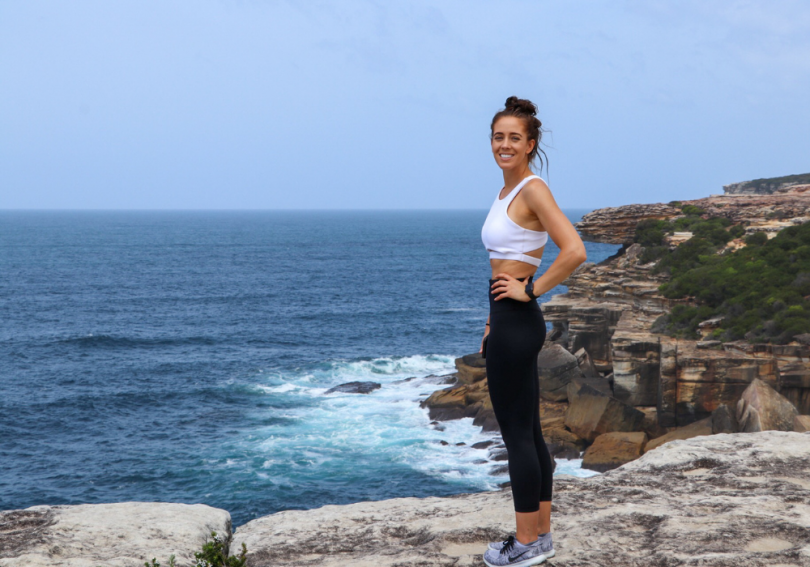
[530, 291]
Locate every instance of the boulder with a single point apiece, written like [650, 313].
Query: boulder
[599, 383]
[761, 408]
[612, 450]
[354, 388]
[586, 364]
[651, 426]
[120, 534]
[484, 416]
[563, 444]
[696, 429]
[724, 420]
[448, 403]
[801, 423]
[556, 367]
[471, 368]
[591, 413]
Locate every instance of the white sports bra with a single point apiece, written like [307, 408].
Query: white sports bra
[504, 238]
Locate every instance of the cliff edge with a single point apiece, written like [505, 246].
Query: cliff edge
[734, 500]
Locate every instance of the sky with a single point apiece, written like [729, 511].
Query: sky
[362, 104]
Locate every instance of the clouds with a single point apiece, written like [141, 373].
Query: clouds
[364, 104]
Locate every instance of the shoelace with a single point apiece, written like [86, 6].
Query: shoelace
[508, 544]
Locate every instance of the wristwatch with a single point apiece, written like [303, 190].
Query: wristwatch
[530, 291]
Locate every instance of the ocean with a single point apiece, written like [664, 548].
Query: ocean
[185, 356]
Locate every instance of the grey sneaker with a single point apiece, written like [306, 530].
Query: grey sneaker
[544, 541]
[546, 546]
[514, 554]
[497, 545]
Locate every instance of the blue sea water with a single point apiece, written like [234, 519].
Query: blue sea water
[185, 356]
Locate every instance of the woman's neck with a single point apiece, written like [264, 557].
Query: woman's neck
[512, 177]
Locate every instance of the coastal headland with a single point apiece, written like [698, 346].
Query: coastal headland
[700, 426]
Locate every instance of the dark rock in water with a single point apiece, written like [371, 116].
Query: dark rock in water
[724, 420]
[499, 455]
[460, 443]
[443, 442]
[437, 426]
[451, 378]
[500, 469]
[563, 444]
[482, 444]
[354, 388]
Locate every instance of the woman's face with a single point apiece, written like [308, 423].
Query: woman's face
[510, 145]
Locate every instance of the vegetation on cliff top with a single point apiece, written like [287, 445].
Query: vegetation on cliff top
[761, 292]
[758, 184]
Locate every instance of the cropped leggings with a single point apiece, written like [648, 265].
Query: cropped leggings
[517, 333]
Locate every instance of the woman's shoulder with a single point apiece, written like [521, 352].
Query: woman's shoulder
[537, 184]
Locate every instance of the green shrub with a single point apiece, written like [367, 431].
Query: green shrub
[736, 231]
[756, 239]
[692, 210]
[762, 291]
[650, 232]
[213, 554]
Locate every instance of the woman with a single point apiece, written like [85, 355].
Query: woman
[519, 223]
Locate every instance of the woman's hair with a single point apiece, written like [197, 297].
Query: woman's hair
[526, 111]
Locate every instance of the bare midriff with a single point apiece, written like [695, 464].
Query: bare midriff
[516, 268]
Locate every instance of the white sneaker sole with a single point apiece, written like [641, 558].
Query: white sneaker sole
[525, 563]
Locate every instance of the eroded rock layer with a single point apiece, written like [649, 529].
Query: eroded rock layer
[617, 225]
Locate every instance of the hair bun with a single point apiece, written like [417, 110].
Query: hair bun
[521, 105]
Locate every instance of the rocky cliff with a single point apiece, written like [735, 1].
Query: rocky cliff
[767, 186]
[124, 534]
[768, 213]
[731, 500]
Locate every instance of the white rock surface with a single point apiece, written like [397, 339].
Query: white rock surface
[124, 534]
[736, 500]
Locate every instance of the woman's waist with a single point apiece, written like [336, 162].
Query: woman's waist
[509, 304]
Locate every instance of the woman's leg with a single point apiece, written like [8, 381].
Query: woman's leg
[512, 349]
[546, 467]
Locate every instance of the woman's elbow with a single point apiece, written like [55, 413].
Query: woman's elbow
[578, 255]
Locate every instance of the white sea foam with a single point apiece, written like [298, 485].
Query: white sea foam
[336, 432]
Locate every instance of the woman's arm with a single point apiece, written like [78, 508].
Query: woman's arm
[572, 251]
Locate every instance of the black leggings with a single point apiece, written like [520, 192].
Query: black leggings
[517, 333]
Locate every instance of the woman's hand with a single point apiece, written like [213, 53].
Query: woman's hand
[509, 286]
[486, 333]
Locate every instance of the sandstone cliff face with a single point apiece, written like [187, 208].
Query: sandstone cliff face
[740, 500]
[769, 213]
[610, 309]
